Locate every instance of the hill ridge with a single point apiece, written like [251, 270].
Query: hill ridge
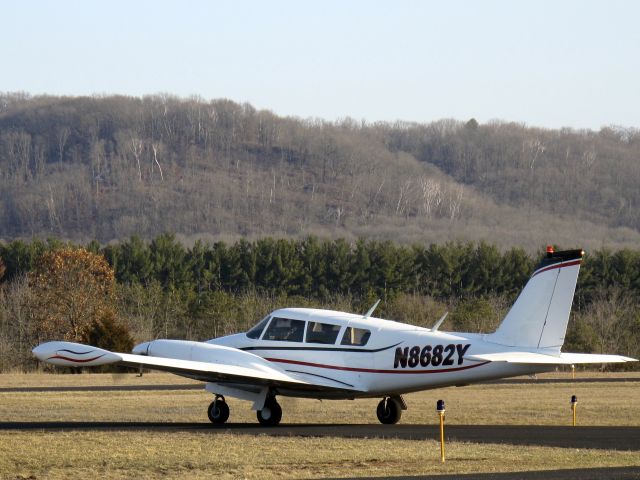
[108, 167]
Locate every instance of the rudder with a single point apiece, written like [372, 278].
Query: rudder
[538, 318]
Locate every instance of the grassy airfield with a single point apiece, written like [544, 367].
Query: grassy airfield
[199, 454]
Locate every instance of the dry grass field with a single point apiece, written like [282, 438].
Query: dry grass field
[199, 454]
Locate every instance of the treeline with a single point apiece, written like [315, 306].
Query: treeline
[318, 268]
[165, 289]
[110, 167]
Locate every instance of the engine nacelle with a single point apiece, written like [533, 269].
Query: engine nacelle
[203, 352]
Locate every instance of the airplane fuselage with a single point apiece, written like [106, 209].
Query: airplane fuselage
[397, 358]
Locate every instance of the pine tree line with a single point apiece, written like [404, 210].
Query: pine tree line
[318, 268]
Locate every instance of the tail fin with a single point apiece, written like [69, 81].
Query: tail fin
[538, 319]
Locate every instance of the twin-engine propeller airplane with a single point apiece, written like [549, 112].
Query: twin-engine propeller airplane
[325, 354]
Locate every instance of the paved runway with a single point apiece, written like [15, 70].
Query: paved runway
[200, 386]
[103, 388]
[618, 438]
[614, 473]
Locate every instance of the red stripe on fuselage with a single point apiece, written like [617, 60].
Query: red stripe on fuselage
[372, 370]
[558, 265]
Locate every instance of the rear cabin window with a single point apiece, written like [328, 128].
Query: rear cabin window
[322, 333]
[256, 331]
[355, 336]
[285, 330]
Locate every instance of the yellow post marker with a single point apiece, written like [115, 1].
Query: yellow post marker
[574, 403]
[573, 372]
[440, 410]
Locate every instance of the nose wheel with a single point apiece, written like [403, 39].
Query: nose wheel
[271, 413]
[218, 411]
[389, 410]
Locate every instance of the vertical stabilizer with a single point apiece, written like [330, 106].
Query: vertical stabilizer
[538, 319]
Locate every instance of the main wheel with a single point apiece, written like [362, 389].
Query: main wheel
[218, 411]
[271, 413]
[389, 411]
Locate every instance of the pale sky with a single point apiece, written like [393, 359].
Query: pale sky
[544, 63]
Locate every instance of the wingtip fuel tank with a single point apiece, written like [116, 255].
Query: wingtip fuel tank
[69, 354]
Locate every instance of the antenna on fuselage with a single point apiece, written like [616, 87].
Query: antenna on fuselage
[371, 310]
[439, 322]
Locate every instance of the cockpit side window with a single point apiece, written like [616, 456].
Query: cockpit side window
[256, 331]
[355, 336]
[285, 329]
[322, 333]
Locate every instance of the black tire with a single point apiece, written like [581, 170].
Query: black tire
[389, 411]
[271, 414]
[218, 412]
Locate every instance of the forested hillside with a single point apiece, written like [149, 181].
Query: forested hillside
[111, 167]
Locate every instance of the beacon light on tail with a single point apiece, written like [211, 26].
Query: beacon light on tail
[324, 354]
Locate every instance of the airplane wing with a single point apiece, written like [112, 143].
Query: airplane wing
[534, 358]
[239, 367]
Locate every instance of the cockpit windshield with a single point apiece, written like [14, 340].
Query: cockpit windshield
[290, 330]
[256, 331]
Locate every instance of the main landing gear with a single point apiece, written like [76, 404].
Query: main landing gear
[390, 409]
[271, 413]
[269, 416]
[218, 411]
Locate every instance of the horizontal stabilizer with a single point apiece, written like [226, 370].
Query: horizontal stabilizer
[575, 358]
[532, 358]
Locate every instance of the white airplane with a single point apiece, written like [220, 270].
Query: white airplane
[325, 354]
